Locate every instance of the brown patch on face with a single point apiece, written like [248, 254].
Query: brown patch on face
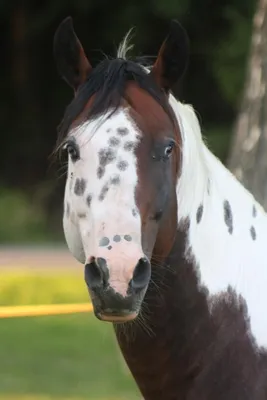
[83, 115]
[156, 190]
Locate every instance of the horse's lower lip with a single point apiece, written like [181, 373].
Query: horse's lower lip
[116, 316]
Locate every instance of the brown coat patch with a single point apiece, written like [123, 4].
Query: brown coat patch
[187, 352]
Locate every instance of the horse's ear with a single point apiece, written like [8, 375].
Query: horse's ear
[72, 63]
[172, 58]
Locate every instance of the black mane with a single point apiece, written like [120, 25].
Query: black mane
[107, 81]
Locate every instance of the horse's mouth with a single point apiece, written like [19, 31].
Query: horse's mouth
[114, 316]
[111, 307]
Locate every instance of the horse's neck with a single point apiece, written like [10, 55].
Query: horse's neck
[178, 349]
[228, 228]
[162, 349]
[175, 349]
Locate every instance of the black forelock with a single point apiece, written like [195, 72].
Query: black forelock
[107, 82]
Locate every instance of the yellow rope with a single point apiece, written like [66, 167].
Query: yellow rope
[37, 310]
[40, 397]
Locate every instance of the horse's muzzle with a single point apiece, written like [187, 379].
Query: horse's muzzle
[112, 307]
[109, 305]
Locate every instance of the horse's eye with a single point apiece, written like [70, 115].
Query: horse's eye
[169, 149]
[73, 151]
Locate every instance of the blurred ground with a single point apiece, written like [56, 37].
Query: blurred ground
[37, 258]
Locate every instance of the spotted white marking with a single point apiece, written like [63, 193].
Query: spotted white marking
[222, 258]
[112, 197]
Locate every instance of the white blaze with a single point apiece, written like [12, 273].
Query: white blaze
[108, 165]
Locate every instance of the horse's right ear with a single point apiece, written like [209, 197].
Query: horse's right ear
[72, 63]
[172, 58]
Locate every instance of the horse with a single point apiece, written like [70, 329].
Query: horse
[173, 246]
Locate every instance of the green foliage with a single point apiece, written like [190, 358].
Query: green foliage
[26, 288]
[67, 357]
[218, 140]
[170, 9]
[230, 56]
[21, 219]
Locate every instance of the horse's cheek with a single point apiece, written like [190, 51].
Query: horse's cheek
[73, 239]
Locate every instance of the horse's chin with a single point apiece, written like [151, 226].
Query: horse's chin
[117, 318]
[110, 306]
[114, 315]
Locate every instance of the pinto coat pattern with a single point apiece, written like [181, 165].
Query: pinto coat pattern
[173, 245]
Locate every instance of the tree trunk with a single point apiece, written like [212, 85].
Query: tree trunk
[248, 156]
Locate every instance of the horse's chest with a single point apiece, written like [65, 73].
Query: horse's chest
[148, 360]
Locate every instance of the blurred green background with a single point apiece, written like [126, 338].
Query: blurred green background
[76, 357]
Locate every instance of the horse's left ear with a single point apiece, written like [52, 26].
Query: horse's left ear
[172, 58]
[72, 63]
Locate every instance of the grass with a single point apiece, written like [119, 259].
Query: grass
[73, 357]
[28, 287]
[67, 357]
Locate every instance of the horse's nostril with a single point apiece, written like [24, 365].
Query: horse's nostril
[93, 275]
[102, 265]
[96, 273]
[141, 275]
